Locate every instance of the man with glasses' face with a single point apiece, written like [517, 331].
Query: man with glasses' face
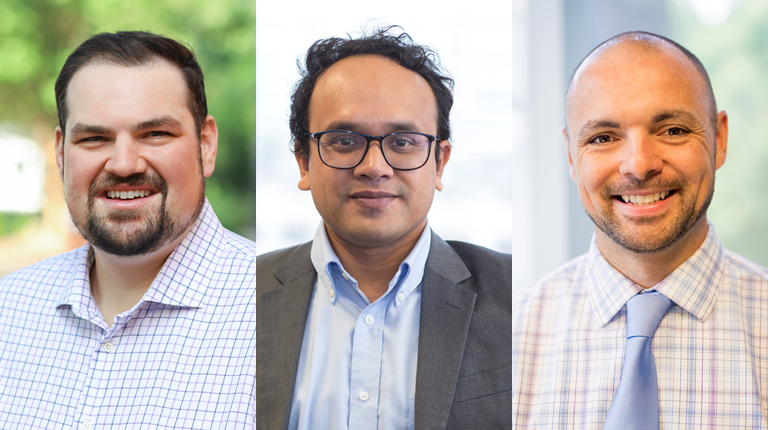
[378, 320]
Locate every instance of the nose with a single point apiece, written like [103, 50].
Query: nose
[126, 158]
[640, 157]
[374, 165]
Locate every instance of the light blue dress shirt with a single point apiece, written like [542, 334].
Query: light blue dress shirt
[357, 368]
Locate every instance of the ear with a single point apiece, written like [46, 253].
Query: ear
[303, 161]
[209, 145]
[59, 147]
[445, 155]
[568, 153]
[721, 139]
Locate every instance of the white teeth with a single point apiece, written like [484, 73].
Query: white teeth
[128, 195]
[646, 199]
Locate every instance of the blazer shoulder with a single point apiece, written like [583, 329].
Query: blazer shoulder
[284, 265]
[273, 258]
[483, 262]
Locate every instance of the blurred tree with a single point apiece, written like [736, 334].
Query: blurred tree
[735, 54]
[36, 36]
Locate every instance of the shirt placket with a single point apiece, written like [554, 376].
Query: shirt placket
[104, 352]
[365, 374]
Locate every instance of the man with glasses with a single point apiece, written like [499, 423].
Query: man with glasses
[378, 322]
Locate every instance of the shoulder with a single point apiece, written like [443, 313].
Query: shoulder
[283, 265]
[239, 245]
[483, 262]
[742, 270]
[555, 285]
[275, 258]
[40, 283]
[46, 271]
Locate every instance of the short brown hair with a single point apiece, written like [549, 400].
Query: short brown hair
[134, 48]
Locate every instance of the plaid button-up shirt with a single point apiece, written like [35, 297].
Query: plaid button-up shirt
[711, 348]
[183, 357]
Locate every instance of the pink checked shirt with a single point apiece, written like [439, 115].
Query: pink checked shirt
[711, 348]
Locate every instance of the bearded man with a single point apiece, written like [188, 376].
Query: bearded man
[152, 322]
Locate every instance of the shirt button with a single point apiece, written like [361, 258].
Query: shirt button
[400, 296]
[363, 395]
[108, 347]
[345, 276]
[332, 293]
[87, 426]
[369, 319]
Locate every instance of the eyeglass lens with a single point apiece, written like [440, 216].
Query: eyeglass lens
[402, 150]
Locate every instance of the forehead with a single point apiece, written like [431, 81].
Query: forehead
[107, 92]
[371, 83]
[629, 79]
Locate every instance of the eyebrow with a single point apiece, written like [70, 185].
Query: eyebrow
[676, 114]
[595, 124]
[392, 127]
[163, 121]
[663, 116]
[81, 128]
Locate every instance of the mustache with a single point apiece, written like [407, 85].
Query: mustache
[150, 180]
[628, 186]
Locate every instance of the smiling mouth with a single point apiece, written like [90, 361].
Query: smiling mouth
[128, 195]
[645, 200]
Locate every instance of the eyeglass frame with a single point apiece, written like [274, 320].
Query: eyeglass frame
[370, 139]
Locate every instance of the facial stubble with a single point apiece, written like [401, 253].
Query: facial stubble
[681, 224]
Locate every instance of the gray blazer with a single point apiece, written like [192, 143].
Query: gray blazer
[464, 369]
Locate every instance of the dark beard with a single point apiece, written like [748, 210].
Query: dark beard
[156, 232]
[159, 228]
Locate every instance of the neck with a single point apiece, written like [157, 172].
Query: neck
[649, 269]
[118, 283]
[373, 266]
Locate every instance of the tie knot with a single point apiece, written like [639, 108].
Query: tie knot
[644, 312]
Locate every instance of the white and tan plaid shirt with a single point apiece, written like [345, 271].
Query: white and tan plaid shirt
[711, 348]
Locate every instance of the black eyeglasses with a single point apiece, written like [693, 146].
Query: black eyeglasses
[342, 149]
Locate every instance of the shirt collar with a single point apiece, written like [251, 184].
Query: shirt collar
[182, 281]
[77, 293]
[405, 281]
[692, 285]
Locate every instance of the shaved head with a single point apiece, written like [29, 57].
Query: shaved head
[643, 42]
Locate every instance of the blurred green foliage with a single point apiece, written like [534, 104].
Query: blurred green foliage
[10, 223]
[36, 36]
[735, 54]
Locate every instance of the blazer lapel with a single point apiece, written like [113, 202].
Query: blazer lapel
[447, 303]
[282, 310]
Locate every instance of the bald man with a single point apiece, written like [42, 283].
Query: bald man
[657, 326]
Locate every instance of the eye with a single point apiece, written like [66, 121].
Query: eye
[599, 139]
[90, 139]
[402, 142]
[158, 133]
[676, 131]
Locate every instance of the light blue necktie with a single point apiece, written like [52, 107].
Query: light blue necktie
[636, 402]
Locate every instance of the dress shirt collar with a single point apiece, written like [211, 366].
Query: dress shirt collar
[407, 278]
[692, 286]
[182, 281]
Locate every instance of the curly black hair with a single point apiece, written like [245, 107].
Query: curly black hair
[399, 47]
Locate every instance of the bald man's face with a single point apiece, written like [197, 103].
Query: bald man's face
[641, 147]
